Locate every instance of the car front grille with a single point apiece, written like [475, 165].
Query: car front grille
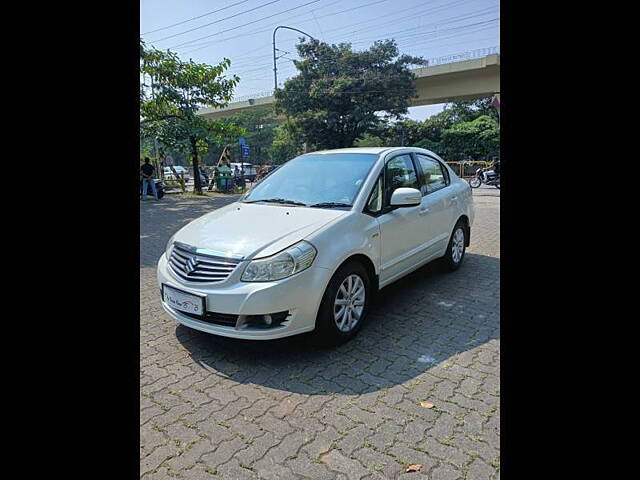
[199, 267]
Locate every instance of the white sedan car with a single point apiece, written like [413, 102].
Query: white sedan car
[307, 248]
[168, 173]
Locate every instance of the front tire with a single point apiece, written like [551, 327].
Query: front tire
[344, 305]
[456, 248]
[475, 182]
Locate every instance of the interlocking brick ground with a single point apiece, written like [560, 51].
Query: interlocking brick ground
[213, 407]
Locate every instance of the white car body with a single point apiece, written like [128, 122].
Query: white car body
[168, 174]
[393, 244]
[249, 169]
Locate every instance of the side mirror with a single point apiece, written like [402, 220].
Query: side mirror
[406, 197]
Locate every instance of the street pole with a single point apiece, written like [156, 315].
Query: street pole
[275, 68]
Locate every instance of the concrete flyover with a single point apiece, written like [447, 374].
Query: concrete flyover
[464, 80]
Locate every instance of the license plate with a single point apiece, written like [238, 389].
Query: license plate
[183, 301]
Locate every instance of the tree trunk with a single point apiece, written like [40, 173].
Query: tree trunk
[179, 178]
[197, 184]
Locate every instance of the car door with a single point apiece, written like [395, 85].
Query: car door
[436, 213]
[400, 233]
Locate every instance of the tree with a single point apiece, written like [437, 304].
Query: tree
[469, 110]
[460, 130]
[260, 125]
[476, 139]
[337, 92]
[287, 142]
[172, 92]
[370, 140]
[403, 133]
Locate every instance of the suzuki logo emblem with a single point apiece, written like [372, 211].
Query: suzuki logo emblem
[190, 266]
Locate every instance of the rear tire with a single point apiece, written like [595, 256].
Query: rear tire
[456, 249]
[475, 182]
[343, 310]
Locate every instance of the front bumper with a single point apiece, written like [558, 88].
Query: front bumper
[299, 294]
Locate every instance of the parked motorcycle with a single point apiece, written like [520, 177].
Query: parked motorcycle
[493, 179]
[159, 188]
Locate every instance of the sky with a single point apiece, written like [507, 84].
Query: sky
[240, 30]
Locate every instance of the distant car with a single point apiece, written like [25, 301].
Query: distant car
[168, 174]
[249, 170]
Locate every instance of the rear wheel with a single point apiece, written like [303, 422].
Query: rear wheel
[456, 248]
[344, 305]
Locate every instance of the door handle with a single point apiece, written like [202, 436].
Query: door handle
[453, 199]
[423, 211]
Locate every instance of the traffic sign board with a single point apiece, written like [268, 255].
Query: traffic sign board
[245, 150]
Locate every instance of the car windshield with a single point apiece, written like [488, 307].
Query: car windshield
[332, 179]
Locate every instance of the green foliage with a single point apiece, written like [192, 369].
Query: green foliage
[370, 140]
[287, 142]
[260, 126]
[171, 93]
[476, 139]
[462, 130]
[466, 111]
[429, 144]
[337, 92]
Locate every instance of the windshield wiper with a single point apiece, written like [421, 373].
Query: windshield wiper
[277, 200]
[331, 205]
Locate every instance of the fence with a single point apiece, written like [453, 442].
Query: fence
[467, 168]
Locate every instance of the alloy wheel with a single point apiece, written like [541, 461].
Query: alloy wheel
[457, 246]
[349, 303]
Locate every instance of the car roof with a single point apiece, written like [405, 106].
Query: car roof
[374, 150]
[370, 150]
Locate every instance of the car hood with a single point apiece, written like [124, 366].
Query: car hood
[254, 230]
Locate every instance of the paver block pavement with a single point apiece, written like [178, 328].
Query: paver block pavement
[213, 407]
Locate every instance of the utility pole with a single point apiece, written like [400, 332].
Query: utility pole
[275, 68]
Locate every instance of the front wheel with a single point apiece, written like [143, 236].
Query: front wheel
[475, 182]
[344, 305]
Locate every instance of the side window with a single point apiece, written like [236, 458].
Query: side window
[400, 172]
[434, 176]
[374, 205]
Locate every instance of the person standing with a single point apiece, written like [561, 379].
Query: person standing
[147, 171]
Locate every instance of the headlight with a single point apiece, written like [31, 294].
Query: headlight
[167, 249]
[284, 264]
